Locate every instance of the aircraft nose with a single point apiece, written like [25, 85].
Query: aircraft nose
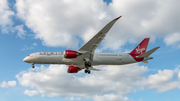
[25, 59]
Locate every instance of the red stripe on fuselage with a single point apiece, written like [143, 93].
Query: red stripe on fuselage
[135, 57]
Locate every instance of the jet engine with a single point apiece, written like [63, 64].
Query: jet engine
[73, 69]
[71, 54]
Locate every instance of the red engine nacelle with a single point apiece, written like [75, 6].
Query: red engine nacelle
[72, 69]
[70, 54]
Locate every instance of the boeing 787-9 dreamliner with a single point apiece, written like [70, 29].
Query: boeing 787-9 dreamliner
[85, 58]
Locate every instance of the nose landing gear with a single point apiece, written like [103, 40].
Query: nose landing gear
[33, 65]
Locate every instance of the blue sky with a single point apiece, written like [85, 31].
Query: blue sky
[28, 26]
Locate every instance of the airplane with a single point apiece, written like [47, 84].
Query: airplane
[86, 58]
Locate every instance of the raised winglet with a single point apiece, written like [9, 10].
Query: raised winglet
[117, 18]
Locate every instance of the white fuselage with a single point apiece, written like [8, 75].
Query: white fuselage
[99, 59]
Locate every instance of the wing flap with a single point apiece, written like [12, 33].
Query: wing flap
[96, 69]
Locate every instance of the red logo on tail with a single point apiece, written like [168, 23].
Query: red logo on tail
[141, 48]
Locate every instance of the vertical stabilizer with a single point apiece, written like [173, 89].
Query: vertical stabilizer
[141, 48]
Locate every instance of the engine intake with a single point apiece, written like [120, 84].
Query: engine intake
[71, 54]
[73, 69]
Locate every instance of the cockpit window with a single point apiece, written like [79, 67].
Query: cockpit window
[28, 55]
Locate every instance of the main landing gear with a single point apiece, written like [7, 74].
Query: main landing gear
[87, 65]
[87, 71]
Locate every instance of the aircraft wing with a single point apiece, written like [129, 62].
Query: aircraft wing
[94, 42]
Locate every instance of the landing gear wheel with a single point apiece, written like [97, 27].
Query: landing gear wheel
[87, 71]
[33, 65]
[87, 64]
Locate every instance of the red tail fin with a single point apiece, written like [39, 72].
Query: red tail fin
[141, 48]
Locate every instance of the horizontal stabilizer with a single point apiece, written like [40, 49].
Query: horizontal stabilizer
[148, 53]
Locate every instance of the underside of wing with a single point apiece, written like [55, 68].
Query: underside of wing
[90, 68]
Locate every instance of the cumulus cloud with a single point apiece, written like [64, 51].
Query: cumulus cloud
[21, 32]
[161, 77]
[6, 22]
[59, 23]
[111, 97]
[5, 13]
[63, 23]
[55, 81]
[8, 84]
[163, 81]
[5, 17]
[173, 39]
[73, 98]
[31, 93]
[113, 84]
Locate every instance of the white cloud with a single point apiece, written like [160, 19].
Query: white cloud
[163, 81]
[172, 39]
[21, 32]
[55, 81]
[5, 13]
[31, 93]
[73, 98]
[29, 48]
[58, 23]
[61, 23]
[8, 84]
[34, 44]
[6, 23]
[111, 97]
[161, 77]
[114, 83]
[5, 17]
